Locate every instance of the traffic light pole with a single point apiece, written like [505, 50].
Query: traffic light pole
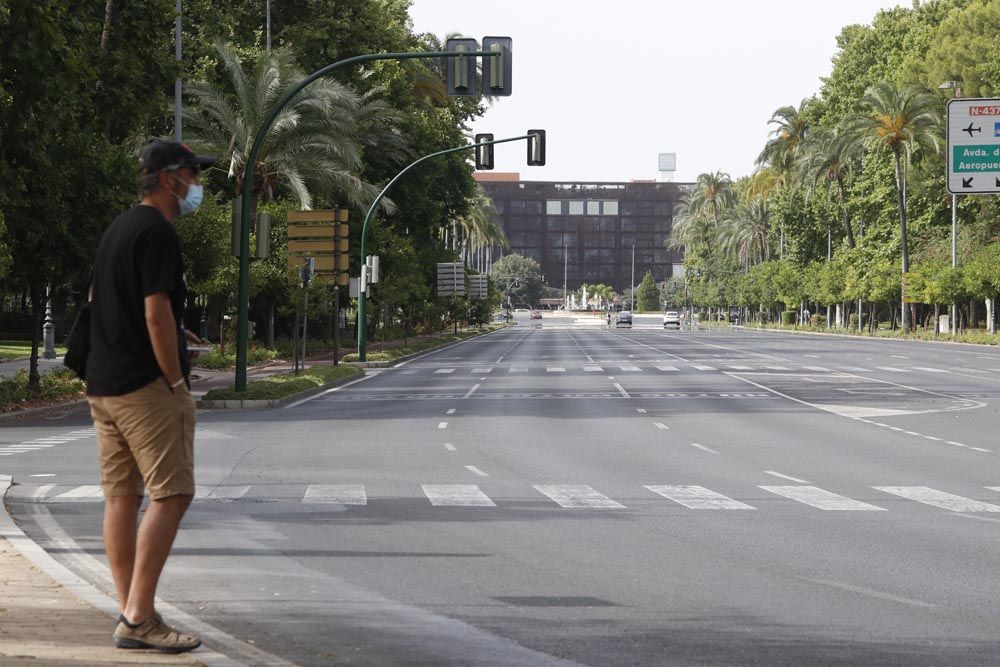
[242, 322]
[362, 296]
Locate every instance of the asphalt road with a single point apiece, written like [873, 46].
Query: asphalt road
[561, 493]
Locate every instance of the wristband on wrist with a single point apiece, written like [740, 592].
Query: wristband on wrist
[177, 384]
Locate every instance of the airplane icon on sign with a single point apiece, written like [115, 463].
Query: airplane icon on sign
[972, 129]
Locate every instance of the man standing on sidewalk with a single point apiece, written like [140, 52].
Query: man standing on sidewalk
[137, 388]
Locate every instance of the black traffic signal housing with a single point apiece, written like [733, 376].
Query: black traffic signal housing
[484, 154]
[536, 148]
[497, 69]
[460, 71]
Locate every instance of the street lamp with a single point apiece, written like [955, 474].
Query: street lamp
[631, 289]
[953, 85]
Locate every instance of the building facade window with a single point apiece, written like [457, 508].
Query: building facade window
[553, 207]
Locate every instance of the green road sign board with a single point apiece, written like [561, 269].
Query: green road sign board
[973, 146]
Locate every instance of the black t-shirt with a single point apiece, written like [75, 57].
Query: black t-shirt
[139, 255]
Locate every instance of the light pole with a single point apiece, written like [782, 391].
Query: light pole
[177, 81]
[243, 287]
[565, 274]
[953, 85]
[631, 289]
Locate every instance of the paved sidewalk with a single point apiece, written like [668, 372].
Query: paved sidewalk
[41, 623]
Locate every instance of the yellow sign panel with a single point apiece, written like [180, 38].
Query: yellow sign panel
[310, 247]
[312, 231]
[312, 216]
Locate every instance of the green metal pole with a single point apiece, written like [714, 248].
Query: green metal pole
[362, 295]
[242, 321]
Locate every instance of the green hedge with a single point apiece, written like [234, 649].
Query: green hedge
[215, 361]
[286, 384]
[57, 384]
[788, 317]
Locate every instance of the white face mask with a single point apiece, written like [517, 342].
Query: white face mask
[191, 202]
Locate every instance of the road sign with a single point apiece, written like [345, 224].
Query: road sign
[321, 235]
[973, 146]
[477, 286]
[450, 278]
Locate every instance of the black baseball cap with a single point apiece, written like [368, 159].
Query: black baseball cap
[165, 155]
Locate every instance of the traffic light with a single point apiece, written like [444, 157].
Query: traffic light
[484, 154]
[496, 69]
[536, 148]
[460, 71]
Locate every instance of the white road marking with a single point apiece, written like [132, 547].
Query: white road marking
[869, 592]
[935, 498]
[621, 390]
[450, 447]
[222, 493]
[788, 477]
[409, 372]
[517, 370]
[630, 369]
[778, 368]
[481, 371]
[499, 359]
[641, 411]
[442, 424]
[816, 368]
[891, 369]
[666, 368]
[699, 498]
[450, 411]
[703, 448]
[44, 474]
[476, 471]
[593, 369]
[456, 495]
[577, 496]
[980, 449]
[445, 370]
[471, 391]
[88, 493]
[957, 444]
[824, 500]
[700, 367]
[898, 356]
[662, 427]
[555, 369]
[335, 494]
[929, 370]
[741, 368]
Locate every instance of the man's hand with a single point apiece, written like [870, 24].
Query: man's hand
[163, 335]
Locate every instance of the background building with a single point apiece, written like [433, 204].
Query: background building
[596, 223]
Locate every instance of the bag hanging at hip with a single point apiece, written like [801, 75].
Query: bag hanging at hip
[78, 342]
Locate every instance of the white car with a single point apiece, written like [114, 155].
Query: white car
[672, 318]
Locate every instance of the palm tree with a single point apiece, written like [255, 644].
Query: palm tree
[481, 231]
[904, 120]
[316, 144]
[787, 138]
[831, 155]
[712, 193]
[745, 232]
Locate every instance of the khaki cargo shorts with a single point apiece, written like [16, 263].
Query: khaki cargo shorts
[146, 439]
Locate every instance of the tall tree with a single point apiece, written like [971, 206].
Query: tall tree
[830, 156]
[783, 149]
[905, 119]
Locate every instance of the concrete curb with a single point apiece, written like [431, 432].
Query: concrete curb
[240, 404]
[834, 334]
[408, 357]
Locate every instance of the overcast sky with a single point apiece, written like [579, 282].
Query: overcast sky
[700, 79]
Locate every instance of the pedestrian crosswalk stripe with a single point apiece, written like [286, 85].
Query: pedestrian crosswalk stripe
[221, 493]
[630, 369]
[666, 368]
[89, 493]
[335, 494]
[593, 369]
[577, 496]
[456, 495]
[817, 497]
[445, 370]
[699, 498]
[816, 368]
[929, 370]
[481, 370]
[555, 369]
[891, 369]
[703, 368]
[935, 498]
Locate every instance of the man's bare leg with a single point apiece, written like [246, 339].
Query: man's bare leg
[156, 536]
[120, 530]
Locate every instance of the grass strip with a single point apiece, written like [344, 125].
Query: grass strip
[417, 346]
[59, 384]
[281, 386]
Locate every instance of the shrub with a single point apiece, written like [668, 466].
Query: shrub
[817, 320]
[788, 317]
[287, 384]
